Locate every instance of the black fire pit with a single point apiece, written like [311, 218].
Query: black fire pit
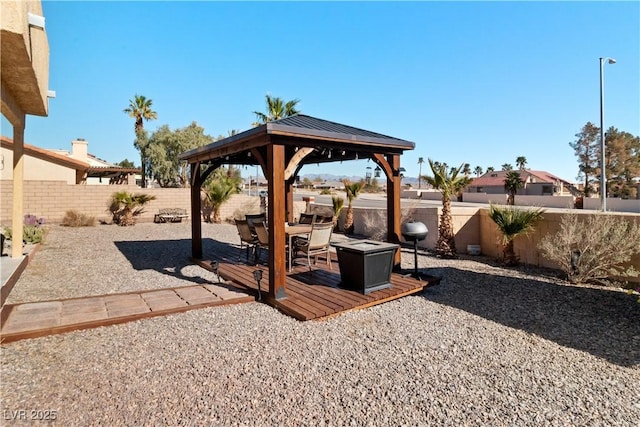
[414, 232]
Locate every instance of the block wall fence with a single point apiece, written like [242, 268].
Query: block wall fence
[472, 225]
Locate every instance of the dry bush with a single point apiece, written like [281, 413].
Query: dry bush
[595, 249]
[73, 218]
[375, 224]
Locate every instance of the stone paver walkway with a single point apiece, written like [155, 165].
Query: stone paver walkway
[37, 319]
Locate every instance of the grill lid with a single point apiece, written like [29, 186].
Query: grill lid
[414, 230]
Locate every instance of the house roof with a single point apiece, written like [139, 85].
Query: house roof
[331, 141]
[496, 178]
[47, 155]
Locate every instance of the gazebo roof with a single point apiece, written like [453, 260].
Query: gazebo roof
[332, 141]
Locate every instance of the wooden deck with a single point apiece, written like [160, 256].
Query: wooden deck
[315, 294]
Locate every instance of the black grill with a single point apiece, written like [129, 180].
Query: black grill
[414, 232]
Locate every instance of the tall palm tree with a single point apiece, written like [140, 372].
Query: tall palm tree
[513, 222]
[478, 171]
[352, 189]
[140, 109]
[420, 162]
[449, 182]
[466, 169]
[277, 109]
[490, 169]
[512, 183]
[521, 161]
[507, 167]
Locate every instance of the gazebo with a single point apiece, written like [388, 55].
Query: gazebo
[281, 148]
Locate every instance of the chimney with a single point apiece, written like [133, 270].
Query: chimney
[79, 149]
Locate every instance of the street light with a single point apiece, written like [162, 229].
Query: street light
[603, 173]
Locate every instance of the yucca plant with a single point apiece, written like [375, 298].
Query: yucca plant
[338, 204]
[126, 206]
[513, 222]
[352, 189]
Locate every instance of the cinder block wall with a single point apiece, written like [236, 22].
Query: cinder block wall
[51, 199]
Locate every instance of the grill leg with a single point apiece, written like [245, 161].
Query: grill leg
[415, 257]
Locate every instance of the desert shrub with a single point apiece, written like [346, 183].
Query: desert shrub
[326, 192]
[125, 207]
[30, 233]
[375, 224]
[595, 249]
[74, 218]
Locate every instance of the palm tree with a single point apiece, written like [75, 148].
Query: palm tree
[420, 162]
[466, 169]
[512, 183]
[449, 182]
[338, 204]
[126, 206]
[490, 169]
[218, 192]
[140, 109]
[507, 167]
[276, 109]
[352, 189]
[478, 171]
[521, 161]
[513, 222]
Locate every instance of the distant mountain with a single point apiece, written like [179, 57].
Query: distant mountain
[331, 177]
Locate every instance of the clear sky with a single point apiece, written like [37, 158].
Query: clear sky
[473, 82]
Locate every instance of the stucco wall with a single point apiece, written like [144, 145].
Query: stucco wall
[36, 169]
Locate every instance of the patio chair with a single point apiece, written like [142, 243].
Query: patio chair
[306, 218]
[262, 234]
[319, 243]
[246, 237]
[253, 218]
[321, 219]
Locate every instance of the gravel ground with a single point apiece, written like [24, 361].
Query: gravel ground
[489, 346]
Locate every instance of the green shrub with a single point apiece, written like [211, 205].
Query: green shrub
[73, 218]
[326, 192]
[595, 249]
[30, 233]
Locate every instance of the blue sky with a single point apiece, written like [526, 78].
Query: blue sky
[474, 82]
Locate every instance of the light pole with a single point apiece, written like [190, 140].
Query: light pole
[603, 172]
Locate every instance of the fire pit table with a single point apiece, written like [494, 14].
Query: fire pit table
[365, 265]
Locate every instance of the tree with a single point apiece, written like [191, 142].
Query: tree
[126, 206]
[587, 150]
[420, 162]
[466, 169]
[513, 222]
[512, 183]
[219, 191]
[449, 183]
[277, 109]
[507, 167]
[126, 163]
[521, 161]
[338, 204]
[307, 183]
[164, 148]
[352, 190]
[140, 109]
[478, 171]
[490, 169]
[623, 163]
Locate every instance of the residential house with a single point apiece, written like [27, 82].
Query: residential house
[535, 183]
[73, 167]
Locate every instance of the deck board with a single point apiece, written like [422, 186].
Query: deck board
[315, 294]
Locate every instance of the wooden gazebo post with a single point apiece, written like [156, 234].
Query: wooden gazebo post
[276, 213]
[394, 214]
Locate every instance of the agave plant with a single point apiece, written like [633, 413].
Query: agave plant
[513, 222]
[126, 206]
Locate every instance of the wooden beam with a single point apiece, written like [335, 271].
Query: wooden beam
[295, 161]
[394, 213]
[276, 215]
[196, 222]
[17, 211]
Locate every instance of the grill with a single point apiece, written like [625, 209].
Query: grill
[414, 232]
